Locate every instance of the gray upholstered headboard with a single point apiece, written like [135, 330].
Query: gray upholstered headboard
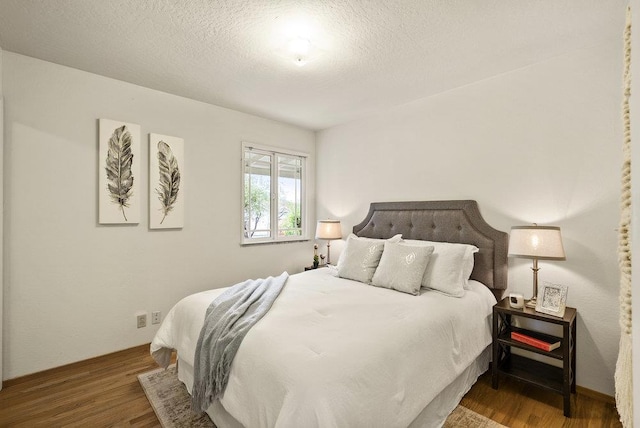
[444, 221]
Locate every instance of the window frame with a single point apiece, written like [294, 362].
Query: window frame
[273, 152]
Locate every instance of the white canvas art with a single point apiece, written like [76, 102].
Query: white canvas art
[118, 172]
[166, 182]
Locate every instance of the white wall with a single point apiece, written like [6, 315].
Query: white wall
[540, 144]
[73, 286]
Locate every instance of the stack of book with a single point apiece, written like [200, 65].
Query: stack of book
[532, 341]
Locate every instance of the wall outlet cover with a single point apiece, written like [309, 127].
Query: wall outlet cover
[156, 317]
[141, 320]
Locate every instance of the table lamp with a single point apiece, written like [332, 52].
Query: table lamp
[328, 229]
[537, 243]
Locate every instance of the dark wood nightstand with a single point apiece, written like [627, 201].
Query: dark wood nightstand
[312, 268]
[558, 379]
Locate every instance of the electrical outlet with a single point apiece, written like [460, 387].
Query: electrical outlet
[142, 320]
[155, 317]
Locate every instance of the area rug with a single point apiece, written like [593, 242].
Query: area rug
[172, 404]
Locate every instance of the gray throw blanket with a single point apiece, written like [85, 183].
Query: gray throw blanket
[227, 321]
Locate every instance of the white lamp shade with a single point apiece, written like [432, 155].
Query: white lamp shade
[328, 229]
[536, 242]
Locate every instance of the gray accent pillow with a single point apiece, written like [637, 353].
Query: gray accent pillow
[360, 258]
[402, 267]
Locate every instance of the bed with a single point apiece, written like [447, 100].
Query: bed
[334, 352]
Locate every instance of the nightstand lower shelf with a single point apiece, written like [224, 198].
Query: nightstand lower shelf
[532, 371]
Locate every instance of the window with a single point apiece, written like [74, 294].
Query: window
[273, 206]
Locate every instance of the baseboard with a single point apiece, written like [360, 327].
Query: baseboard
[595, 395]
[18, 380]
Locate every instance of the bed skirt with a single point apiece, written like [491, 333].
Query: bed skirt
[432, 416]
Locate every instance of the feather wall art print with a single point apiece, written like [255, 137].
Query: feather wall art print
[119, 167]
[166, 182]
[169, 179]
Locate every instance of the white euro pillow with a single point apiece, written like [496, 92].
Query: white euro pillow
[361, 256]
[449, 267]
[402, 267]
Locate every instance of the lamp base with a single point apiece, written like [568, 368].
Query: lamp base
[532, 303]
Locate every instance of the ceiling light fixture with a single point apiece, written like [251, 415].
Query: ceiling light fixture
[298, 38]
[300, 50]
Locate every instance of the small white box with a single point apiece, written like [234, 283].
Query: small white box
[516, 300]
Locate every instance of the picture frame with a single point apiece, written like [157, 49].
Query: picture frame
[118, 172]
[166, 182]
[552, 299]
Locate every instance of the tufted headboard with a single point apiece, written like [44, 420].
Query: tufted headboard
[444, 221]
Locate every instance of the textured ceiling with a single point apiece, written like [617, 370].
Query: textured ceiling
[373, 53]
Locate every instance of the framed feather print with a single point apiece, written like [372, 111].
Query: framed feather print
[166, 182]
[118, 172]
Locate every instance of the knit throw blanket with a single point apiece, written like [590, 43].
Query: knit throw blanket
[623, 375]
[227, 321]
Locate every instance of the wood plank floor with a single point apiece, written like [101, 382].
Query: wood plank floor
[518, 405]
[105, 392]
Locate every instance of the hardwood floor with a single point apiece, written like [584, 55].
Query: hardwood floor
[517, 405]
[105, 392]
[100, 392]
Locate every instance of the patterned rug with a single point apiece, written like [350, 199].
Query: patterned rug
[172, 404]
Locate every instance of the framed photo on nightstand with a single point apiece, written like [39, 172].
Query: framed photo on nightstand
[552, 299]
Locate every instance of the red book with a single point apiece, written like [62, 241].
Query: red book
[545, 346]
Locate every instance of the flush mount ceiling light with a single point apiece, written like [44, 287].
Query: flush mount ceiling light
[298, 40]
[299, 48]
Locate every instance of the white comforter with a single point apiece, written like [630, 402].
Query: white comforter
[338, 353]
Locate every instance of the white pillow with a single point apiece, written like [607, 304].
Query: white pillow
[402, 267]
[467, 264]
[361, 256]
[449, 268]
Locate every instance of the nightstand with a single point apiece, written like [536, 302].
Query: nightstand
[557, 379]
[312, 268]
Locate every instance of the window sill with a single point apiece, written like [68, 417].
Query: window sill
[287, 241]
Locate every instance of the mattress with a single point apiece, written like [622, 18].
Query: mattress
[335, 352]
